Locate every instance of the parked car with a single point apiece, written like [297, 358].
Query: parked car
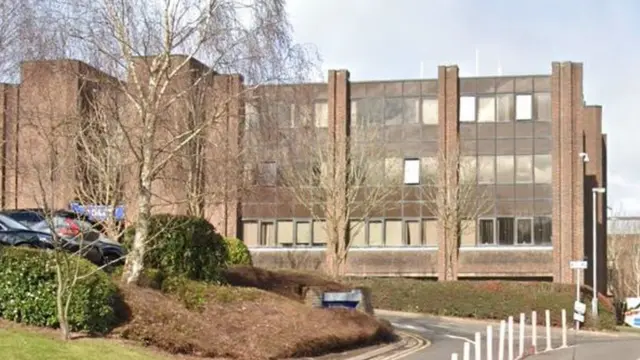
[72, 226]
[18, 234]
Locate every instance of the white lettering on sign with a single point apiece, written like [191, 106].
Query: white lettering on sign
[578, 264]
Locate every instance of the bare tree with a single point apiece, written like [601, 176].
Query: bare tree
[452, 195]
[623, 256]
[337, 180]
[138, 39]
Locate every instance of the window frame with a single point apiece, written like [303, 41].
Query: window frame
[316, 123]
[368, 221]
[313, 233]
[422, 112]
[513, 236]
[384, 231]
[531, 170]
[478, 232]
[550, 218]
[297, 221]
[518, 96]
[468, 100]
[486, 96]
[271, 221]
[517, 220]
[404, 172]
[260, 177]
[405, 231]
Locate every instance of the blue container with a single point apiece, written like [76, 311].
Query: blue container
[349, 300]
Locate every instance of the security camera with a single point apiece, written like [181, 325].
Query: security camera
[584, 156]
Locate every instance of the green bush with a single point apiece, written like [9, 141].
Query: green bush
[180, 245]
[238, 252]
[28, 292]
[483, 299]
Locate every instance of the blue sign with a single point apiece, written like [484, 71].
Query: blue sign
[99, 212]
[349, 299]
[632, 313]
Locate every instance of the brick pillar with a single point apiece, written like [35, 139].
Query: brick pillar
[593, 178]
[604, 203]
[12, 96]
[568, 168]
[448, 101]
[234, 141]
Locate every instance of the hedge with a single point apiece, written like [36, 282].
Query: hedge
[238, 252]
[181, 245]
[28, 292]
[495, 300]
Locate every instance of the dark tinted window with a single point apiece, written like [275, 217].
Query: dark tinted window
[26, 217]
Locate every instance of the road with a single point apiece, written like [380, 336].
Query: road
[448, 336]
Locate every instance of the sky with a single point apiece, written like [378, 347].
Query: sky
[388, 39]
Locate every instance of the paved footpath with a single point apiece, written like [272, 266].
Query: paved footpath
[627, 349]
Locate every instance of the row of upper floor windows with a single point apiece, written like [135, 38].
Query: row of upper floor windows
[392, 111]
[500, 169]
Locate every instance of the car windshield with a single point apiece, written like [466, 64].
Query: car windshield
[12, 224]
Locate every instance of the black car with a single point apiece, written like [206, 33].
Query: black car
[31, 239]
[91, 250]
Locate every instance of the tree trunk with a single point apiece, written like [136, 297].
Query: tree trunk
[62, 315]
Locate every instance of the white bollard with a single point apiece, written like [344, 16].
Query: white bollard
[510, 344]
[466, 351]
[521, 337]
[547, 318]
[503, 329]
[564, 328]
[454, 356]
[478, 346]
[534, 331]
[489, 342]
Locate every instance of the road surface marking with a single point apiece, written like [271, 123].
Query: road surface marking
[410, 327]
[461, 338]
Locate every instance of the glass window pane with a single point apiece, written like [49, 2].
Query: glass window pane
[486, 230]
[393, 169]
[411, 110]
[430, 111]
[467, 108]
[250, 233]
[506, 231]
[357, 233]
[285, 232]
[393, 233]
[393, 111]
[505, 169]
[524, 169]
[430, 232]
[542, 168]
[524, 107]
[303, 114]
[413, 233]
[468, 236]
[303, 233]
[371, 111]
[429, 169]
[467, 170]
[321, 114]
[486, 169]
[251, 116]
[411, 171]
[267, 234]
[486, 109]
[542, 230]
[376, 236]
[267, 173]
[319, 232]
[505, 107]
[281, 113]
[543, 106]
[525, 228]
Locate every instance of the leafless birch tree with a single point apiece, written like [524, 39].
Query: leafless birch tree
[453, 197]
[138, 39]
[623, 256]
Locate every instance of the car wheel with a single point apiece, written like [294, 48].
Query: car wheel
[25, 245]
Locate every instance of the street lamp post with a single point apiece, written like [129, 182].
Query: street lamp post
[594, 262]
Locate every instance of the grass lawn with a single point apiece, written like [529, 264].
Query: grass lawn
[19, 344]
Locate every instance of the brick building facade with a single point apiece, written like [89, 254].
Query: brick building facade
[524, 134]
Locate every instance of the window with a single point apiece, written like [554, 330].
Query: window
[543, 106]
[411, 110]
[393, 232]
[467, 169]
[267, 173]
[357, 233]
[284, 232]
[486, 109]
[411, 171]
[542, 168]
[467, 108]
[321, 114]
[393, 169]
[429, 170]
[468, 236]
[368, 111]
[412, 231]
[281, 113]
[524, 169]
[504, 107]
[267, 234]
[525, 231]
[376, 236]
[505, 231]
[354, 113]
[486, 169]
[430, 111]
[486, 231]
[319, 232]
[250, 233]
[251, 116]
[504, 169]
[542, 230]
[393, 111]
[303, 233]
[430, 232]
[524, 107]
[303, 114]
